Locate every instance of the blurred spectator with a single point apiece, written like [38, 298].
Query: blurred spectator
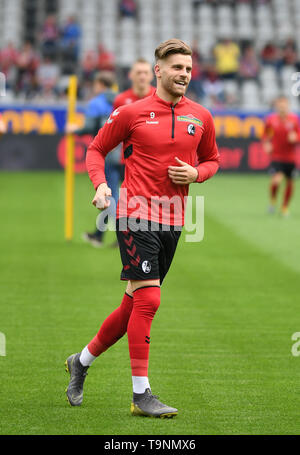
[196, 82]
[47, 76]
[8, 61]
[249, 64]
[89, 65]
[70, 37]
[197, 3]
[271, 55]
[27, 63]
[213, 88]
[106, 59]
[128, 8]
[49, 37]
[289, 53]
[227, 55]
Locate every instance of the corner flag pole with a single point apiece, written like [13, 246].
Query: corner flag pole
[69, 165]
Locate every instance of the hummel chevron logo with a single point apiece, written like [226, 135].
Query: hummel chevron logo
[116, 112]
[147, 339]
[129, 241]
[132, 251]
[135, 261]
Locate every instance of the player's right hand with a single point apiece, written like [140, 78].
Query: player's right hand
[293, 137]
[268, 148]
[101, 200]
[71, 128]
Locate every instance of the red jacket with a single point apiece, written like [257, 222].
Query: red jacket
[128, 97]
[277, 130]
[154, 132]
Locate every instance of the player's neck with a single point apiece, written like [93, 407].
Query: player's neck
[283, 115]
[166, 96]
[141, 93]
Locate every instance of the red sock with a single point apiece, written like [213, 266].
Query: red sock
[113, 328]
[273, 190]
[288, 193]
[146, 301]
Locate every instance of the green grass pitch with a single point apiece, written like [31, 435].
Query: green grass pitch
[221, 340]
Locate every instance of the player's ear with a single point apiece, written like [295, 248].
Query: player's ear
[157, 70]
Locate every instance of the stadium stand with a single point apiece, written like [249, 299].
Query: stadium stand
[85, 36]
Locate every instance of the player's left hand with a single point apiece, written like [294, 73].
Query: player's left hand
[184, 174]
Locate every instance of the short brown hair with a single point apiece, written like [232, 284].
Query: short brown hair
[141, 60]
[107, 78]
[172, 46]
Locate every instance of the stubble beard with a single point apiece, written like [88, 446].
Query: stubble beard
[169, 86]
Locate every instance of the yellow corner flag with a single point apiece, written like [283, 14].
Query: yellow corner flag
[69, 164]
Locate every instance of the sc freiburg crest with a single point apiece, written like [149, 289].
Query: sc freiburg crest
[191, 129]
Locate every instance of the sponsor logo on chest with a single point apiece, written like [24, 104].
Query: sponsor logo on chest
[189, 118]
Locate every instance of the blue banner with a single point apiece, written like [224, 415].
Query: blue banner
[51, 120]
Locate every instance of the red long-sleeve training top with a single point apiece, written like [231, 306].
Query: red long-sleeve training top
[154, 132]
[277, 130]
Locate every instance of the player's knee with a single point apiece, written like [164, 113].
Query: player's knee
[147, 301]
[155, 302]
[278, 177]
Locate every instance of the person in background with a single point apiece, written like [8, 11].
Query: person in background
[195, 87]
[280, 137]
[89, 65]
[49, 37]
[289, 53]
[141, 76]
[213, 88]
[70, 38]
[98, 110]
[271, 55]
[227, 54]
[128, 8]
[27, 64]
[249, 64]
[8, 61]
[106, 59]
[47, 76]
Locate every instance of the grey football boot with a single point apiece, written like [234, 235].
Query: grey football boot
[147, 404]
[77, 377]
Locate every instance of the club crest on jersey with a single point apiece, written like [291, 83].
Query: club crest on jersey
[191, 129]
[146, 266]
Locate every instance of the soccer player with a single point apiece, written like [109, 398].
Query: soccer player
[280, 137]
[169, 143]
[141, 76]
[98, 110]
